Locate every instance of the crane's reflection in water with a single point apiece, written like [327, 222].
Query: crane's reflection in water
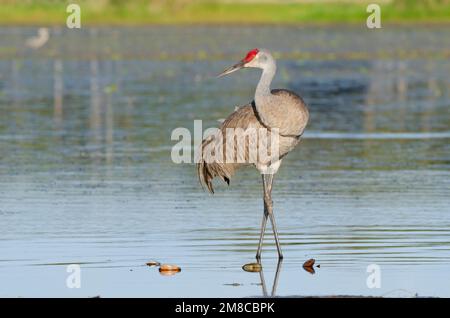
[275, 280]
[263, 282]
[258, 268]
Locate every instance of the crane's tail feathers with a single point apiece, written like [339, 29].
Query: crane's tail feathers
[207, 171]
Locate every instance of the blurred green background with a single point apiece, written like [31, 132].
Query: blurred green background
[123, 12]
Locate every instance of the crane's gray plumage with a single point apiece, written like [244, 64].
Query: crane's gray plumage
[278, 109]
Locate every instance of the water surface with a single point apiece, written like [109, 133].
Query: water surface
[86, 175]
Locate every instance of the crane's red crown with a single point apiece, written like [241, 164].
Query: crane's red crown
[251, 55]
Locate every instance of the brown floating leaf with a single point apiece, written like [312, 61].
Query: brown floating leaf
[309, 266]
[152, 263]
[252, 267]
[169, 270]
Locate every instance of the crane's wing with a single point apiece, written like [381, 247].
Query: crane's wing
[208, 165]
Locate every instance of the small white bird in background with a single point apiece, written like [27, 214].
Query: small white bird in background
[40, 40]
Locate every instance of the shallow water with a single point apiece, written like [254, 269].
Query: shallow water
[86, 175]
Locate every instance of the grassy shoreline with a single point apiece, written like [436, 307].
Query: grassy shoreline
[143, 13]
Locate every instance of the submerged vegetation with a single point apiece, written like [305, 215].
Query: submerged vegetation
[138, 12]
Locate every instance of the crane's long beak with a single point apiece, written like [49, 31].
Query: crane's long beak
[232, 69]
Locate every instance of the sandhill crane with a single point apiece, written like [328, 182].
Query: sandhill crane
[278, 110]
[40, 40]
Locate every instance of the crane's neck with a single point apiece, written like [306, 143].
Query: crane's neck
[264, 99]
[263, 88]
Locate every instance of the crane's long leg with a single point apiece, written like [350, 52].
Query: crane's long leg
[269, 204]
[261, 235]
[266, 214]
[275, 232]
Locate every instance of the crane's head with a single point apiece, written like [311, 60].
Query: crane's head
[254, 58]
